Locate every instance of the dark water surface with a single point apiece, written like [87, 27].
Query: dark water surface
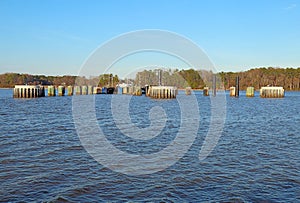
[256, 159]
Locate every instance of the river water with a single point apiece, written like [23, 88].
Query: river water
[257, 157]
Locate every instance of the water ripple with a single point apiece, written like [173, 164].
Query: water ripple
[256, 159]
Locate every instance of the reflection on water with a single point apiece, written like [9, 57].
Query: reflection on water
[256, 159]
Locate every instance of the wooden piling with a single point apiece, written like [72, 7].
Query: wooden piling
[205, 91]
[146, 90]
[250, 92]
[51, 91]
[77, 90]
[237, 86]
[125, 90]
[84, 90]
[214, 85]
[70, 90]
[90, 89]
[61, 90]
[130, 90]
[137, 91]
[188, 90]
[232, 91]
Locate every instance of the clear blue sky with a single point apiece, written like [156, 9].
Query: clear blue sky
[54, 37]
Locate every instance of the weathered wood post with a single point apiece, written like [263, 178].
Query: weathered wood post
[237, 86]
[146, 90]
[250, 92]
[232, 91]
[188, 90]
[61, 90]
[214, 85]
[84, 90]
[70, 90]
[16, 93]
[78, 90]
[51, 91]
[34, 92]
[130, 90]
[41, 91]
[205, 91]
[124, 90]
[90, 89]
[137, 91]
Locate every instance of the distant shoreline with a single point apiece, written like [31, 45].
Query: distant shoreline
[7, 88]
[288, 78]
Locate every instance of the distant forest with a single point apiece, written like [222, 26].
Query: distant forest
[289, 78]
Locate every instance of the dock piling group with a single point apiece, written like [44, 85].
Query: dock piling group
[157, 92]
[162, 92]
[272, 92]
[28, 91]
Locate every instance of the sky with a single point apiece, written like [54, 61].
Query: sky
[56, 37]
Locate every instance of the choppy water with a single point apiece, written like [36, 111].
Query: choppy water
[256, 159]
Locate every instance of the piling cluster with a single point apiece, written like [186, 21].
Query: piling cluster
[272, 92]
[235, 90]
[265, 92]
[162, 92]
[157, 92]
[31, 91]
[131, 90]
[28, 91]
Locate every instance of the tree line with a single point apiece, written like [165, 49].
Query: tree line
[9, 80]
[288, 78]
